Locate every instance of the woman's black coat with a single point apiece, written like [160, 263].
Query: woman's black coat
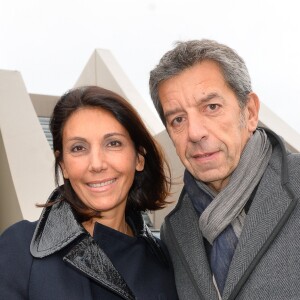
[55, 258]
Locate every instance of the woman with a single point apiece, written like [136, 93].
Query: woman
[91, 241]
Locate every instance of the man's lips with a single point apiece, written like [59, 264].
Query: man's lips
[203, 155]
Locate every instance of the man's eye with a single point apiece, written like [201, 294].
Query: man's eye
[213, 106]
[177, 121]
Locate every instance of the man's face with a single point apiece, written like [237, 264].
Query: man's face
[205, 122]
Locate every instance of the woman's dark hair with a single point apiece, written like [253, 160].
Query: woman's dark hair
[151, 186]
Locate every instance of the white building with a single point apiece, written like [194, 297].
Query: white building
[26, 159]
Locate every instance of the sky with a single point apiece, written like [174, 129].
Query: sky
[50, 42]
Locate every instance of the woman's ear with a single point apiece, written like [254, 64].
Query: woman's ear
[140, 163]
[56, 153]
[64, 171]
[62, 165]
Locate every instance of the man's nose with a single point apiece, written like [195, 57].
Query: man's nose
[197, 128]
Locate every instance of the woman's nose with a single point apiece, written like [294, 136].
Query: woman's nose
[97, 161]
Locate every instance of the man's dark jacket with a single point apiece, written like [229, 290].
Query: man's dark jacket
[266, 262]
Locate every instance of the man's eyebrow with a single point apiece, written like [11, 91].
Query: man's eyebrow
[208, 97]
[173, 112]
[201, 100]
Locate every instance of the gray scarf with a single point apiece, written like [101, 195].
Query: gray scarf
[228, 205]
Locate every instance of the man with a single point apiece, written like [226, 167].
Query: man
[235, 232]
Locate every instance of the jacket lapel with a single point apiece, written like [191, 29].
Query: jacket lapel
[55, 229]
[190, 245]
[268, 213]
[58, 229]
[88, 258]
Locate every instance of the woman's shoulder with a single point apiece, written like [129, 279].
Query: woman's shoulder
[16, 260]
[19, 233]
[21, 226]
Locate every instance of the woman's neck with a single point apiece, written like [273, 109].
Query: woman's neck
[116, 223]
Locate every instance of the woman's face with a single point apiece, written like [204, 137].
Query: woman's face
[99, 159]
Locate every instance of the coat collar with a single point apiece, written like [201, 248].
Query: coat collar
[268, 213]
[185, 231]
[89, 258]
[58, 229]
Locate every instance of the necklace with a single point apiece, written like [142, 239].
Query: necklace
[126, 228]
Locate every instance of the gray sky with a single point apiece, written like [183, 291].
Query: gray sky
[50, 42]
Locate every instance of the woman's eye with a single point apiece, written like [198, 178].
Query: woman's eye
[114, 144]
[77, 148]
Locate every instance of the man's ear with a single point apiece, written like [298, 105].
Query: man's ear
[251, 111]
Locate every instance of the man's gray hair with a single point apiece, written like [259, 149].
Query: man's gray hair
[189, 53]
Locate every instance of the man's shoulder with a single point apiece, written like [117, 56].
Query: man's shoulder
[294, 171]
[180, 203]
[183, 211]
[294, 158]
